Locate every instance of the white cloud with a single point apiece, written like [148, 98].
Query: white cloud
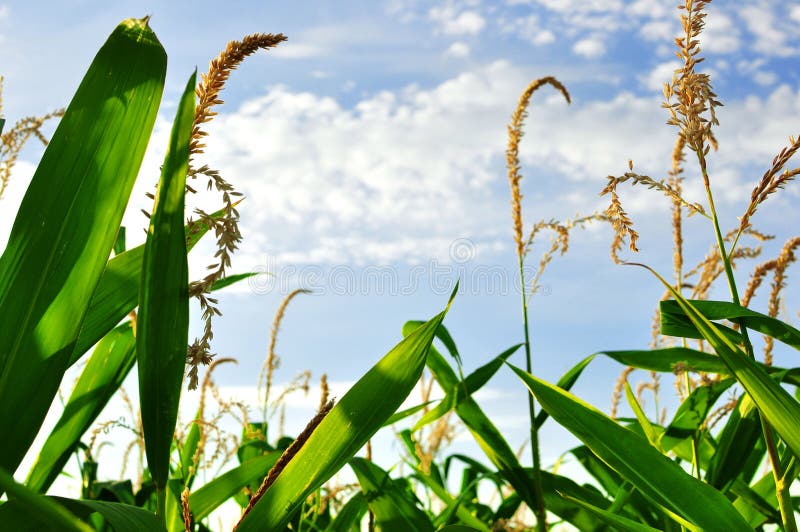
[721, 35]
[297, 50]
[530, 29]
[765, 78]
[662, 73]
[794, 13]
[772, 34]
[401, 174]
[4, 11]
[453, 22]
[458, 49]
[589, 47]
[658, 30]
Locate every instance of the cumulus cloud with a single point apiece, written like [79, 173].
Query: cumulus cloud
[772, 34]
[530, 29]
[589, 47]
[397, 176]
[458, 49]
[453, 22]
[662, 73]
[721, 35]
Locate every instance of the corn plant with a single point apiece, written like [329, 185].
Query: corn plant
[60, 294]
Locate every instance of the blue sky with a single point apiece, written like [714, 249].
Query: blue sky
[375, 137]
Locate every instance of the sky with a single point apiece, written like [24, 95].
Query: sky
[371, 150]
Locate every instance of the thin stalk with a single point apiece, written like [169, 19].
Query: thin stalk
[781, 489]
[540, 511]
[695, 451]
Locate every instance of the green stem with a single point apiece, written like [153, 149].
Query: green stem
[161, 503]
[540, 511]
[781, 490]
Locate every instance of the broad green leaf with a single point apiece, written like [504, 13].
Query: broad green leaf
[644, 423]
[617, 521]
[451, 502]
[764, 488]
[67, 224]
[676, 320]
[28, 510]
[567, 381]
[739, 440]
[122, 517]
[612, 482]
[163, 321]
[107, 368]
[695, 504]
[211, 495]
[408, 412]
[349, 517]
[486, 434]
[692, 413]
[471, 384]
[779, 408]
[346, 428]
[393, 506]
[118, 289]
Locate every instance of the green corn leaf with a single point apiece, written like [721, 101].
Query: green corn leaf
[471, 384]
[163, 321]
[408, 412]
[677, 323]
[647, 427]
[779, 408]
[211, 495]
[394, 507]
[122, 517]
[566, 382]
[346, 428]
[615, 520]
[107, 368]
[692, 413]
[28, 510]
[452, 504]
[696, 505]
[67, 224]
[349, 517]
[118, 290]
[740, 447]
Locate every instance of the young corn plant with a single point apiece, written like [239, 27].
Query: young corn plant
[60, 294]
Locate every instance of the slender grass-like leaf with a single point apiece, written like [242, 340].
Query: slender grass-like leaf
[394, 507]
[67, 224]
[28, 510]
[615, 520]
[348, 426]
[740, 439]
[163, 321]
[107, 368]
[696, 505]
[471, 384]
[779, 408]
[117, 291]
[349, 516]
[647, 427]
[692, 413]
[451, 502]
[211, 495]
[122, 517]
[677, 323]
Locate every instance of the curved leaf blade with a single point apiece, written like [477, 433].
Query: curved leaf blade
[112, 360]
[67, 225]
[163, 321]
[357, 416]
[696, 505]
